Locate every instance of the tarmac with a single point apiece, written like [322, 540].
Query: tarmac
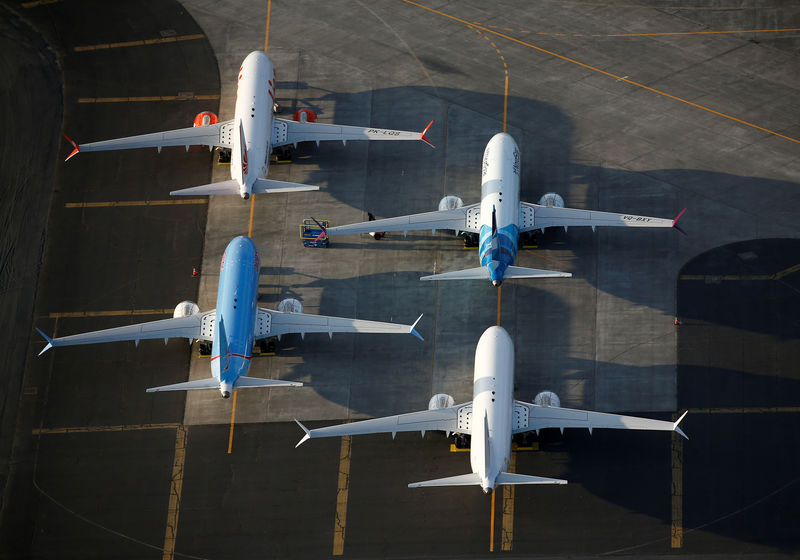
[617, 108]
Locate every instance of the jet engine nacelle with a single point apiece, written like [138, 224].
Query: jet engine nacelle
[440, 400]
[305, 115]
[290, 305]
[552, 200]
[450, 202]
[185, 308]
[205, 118]
[547, 398]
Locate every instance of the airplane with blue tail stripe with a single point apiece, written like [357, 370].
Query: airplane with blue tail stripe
[499, 218]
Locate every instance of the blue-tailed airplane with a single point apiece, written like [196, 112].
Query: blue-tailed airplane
[233, 327]
[500, 217]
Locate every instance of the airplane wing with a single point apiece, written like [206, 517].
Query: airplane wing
[276, 323]
[449, 419]
[197, 326]
[466, 218]
[219, 134]
[285, 132]
[535, 216]
[531, 417]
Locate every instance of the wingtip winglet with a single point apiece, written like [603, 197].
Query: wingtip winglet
[675, 425]
[49, 342]
[424, 138]
[414, 330]
[305, 437]
[675, 222]
[76, 147]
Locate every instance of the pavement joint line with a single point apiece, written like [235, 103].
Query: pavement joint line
[112, 313]
[728, 277]
[139, 43]
[656, 34]
[97, 429]
[676, 530]
[342, 492]
[600, 71]
[36, 3]
[507, 530]
[175, 489]
[123, 203]
[203, 97]
[747, 410]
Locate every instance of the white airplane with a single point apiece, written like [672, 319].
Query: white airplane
[491, 419]
[251, 135]
[500, 217]
[233, 327]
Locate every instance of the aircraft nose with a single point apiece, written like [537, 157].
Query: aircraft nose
[487, 490]
[246, 195]
[496, 283]
[226, 394]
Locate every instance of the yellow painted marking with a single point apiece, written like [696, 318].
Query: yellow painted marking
[175, 488]
[148, 98]
[121, 203]
[740, 277]
[699, 32]
[96, 429]
[750, 410]
[491, 524]
[36, 3]
[342, 491]
[787, 272]
[507, 530]
[609, 74]
[145, 42]
[505, 104]
[114, 313]
[252, 207]
[577, 35]
[266, 33]
[454, 449]
[676, 532]
[233, 420]
[499, 294]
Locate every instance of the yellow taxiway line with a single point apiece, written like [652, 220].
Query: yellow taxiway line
[141, 43]
[123, 203]
[697, 33]
[676, 531]
[609, 74]
[233, 421]
[491, 524]
[741, 277]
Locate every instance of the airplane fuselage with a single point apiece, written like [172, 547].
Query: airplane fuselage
[234, 325]
[500, 172]
[255, 96]
[492, 406]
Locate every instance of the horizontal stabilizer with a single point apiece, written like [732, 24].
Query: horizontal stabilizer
[520, 272]
[244, 382]
[223, 187]
[512, 478]
[470, 479]
[480, 273]
[210, 383]
[269, 186]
